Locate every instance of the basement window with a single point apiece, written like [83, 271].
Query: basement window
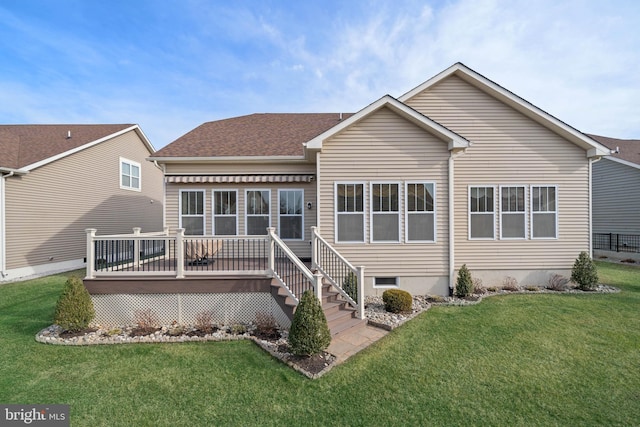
[385, 282]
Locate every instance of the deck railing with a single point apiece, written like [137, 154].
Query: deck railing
[335, 268]
[177, 255]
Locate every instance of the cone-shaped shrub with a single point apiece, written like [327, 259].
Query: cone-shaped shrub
[464, 285]
[309, 333]
[584, 272]
[74, 309]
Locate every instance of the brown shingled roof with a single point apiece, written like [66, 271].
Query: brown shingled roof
[23, 145]
[274, 134]
[629, 148]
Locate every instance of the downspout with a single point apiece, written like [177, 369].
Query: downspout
[591, 162]
[452, 233]
[3, 242]
[163, 168]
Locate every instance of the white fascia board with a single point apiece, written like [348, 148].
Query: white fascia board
[230, 159]
[88, 145]
[13, 171]
[455, 140]
[593, 148]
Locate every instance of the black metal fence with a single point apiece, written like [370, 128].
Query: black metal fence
[617, 242]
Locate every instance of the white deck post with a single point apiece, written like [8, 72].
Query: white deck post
[91, 253]
[180, 253]
[272, 251]
[360, 273]
[314, 248]
[317, 279]
[136, 247]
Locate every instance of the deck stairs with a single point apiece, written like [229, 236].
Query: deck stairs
[341, 316]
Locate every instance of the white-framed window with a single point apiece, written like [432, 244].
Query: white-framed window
[544, 212]
[513, 212]
[385, 282]
[225, 212]
[192, 217]
[291, 214]
[258, 214]
[481, 213]
[385, 212]
[420, 209]
[130, 175]
[349, 211]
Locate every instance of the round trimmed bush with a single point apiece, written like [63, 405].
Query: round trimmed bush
[397, 301]
[309, 333]
[74, 309]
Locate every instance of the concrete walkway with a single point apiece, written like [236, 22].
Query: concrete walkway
[352, 341]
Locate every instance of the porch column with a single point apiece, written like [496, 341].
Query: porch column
[91, 253]
[272, 251]
[314, 248]
[317, 279]
[180, 253]
[360, 273]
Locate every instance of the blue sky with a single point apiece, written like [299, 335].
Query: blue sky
[171, 65]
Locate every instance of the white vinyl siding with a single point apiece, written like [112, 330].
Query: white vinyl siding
[130, 175]
[544, 212]
[513, 212]
[258, 217]
[225, 212]
[192, 217]
[481, 213]
[420, 208]
[291, 214]
[385, 212]
[349, 215]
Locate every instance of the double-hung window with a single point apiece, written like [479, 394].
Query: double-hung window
[192, 212]
[481, 213]
[420, 208]
[129, 174]
[291, 214]
[349, 212]
[513, 216]
[258, 214]
[225, 212]
[544, 212]
[385, 212]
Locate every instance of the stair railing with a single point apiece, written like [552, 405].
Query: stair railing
[287, 268]
[335, 268]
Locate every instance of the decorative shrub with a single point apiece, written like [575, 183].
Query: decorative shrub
[478, 288]
[74, 309]
[309, 333]
[532, 288]
[238, 329]
[350, 285]
[204, 321]
[266, 326]
[510, 284]
[146, 322]
[492, 289]
[584, 272]
[397, 301]
[557, 282]
[464, 284]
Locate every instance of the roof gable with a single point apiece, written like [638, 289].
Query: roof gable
[593, 148]
[454, 140]
[26, 147]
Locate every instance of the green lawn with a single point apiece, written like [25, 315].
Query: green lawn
[542, 359]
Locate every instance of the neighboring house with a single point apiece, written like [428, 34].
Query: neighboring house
[616, 196]
[58, 180]
[457, 171]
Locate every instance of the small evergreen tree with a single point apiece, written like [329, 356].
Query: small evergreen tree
[584, 272]
[309, 333]
[464, 284]
[74, 309]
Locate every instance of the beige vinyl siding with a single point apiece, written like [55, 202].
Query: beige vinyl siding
[48, 209]
[510, 149]
[302, 248]
[384, 147]
[616, 198]
[239, 168]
